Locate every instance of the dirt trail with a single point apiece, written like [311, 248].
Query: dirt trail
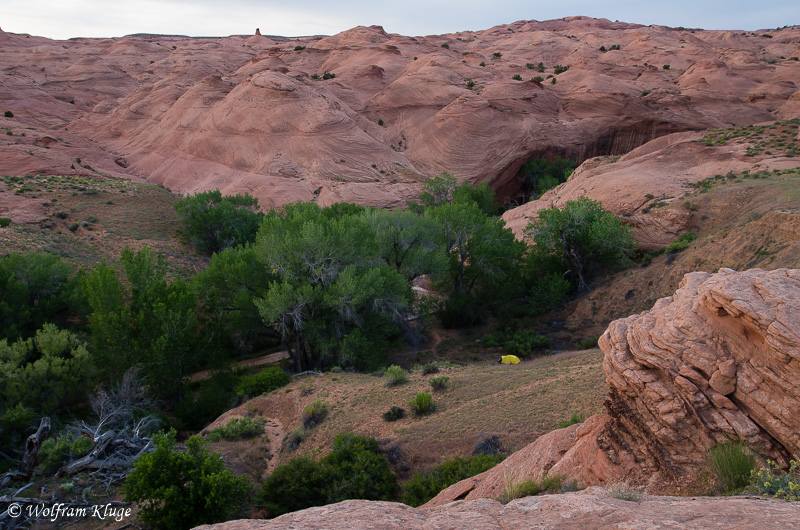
[270, 358]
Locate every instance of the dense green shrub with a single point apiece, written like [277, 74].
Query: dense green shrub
[4, 222]
[213, 223]
[430, 368]
[772, 481]
[587, 343]
[57, 451]
[731, 464]
[516, 77]
[559, 69]
[577, 417]
[8, 114]
[205, 400]
[425, 485]
[354, 469]
[421, 404]
[439, 383]
[314, 414]
[262, 382]
[178, 490]
[547, 291]
[540, 174]
[395, 376]
[394, 414]
[681, 243]
[521, 343]
[237, 429]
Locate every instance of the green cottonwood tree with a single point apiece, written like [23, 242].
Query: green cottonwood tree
[145, 322]
[334, 299]
[579, 239]
[213, 222]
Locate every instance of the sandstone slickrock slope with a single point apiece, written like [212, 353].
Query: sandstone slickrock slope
[719, 360]
[582, 511]
[664, 167]
[256, 113]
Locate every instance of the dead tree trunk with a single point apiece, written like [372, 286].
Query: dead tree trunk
[31, 456]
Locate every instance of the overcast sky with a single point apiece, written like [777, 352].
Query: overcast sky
[62, 19]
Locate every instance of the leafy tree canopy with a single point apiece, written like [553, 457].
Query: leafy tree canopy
[213, 223]
[579, 239]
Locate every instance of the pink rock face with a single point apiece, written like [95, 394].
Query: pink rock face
[664, 167]
[719, 360]
[589, 510]
[246, 113]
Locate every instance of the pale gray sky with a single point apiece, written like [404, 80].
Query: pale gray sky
[63, 19]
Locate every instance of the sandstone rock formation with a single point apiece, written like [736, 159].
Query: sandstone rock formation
[255, 113]
[719, 360]
[664, 167]
[588, 510]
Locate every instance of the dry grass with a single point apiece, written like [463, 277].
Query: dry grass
[519, 403]
[117, 213]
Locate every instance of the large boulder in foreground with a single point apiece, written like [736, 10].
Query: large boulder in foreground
[719, 360]
[585, 511]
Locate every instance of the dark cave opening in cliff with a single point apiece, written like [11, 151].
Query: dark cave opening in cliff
[514, 186]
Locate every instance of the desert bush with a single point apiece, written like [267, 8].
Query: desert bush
[395, 376]
[681, 243]
[4, 222]
[265, 381]
[8, 114]
[328, 75]
[625, 492]
[587, 343]
[62, 215]
[299, 48]
[294, 486]
[380, 122]
[425, 485]
[559, 69]
[430, 368]
[577, 417]
[394, 414]
[731, 464]
[470, 83]
[489, 445]
[772, 481]
[516, 77]
[56, 452]
[482, 63]
[537, 79]
[73, 227]
[445, 45]
[522, 343]
[666, 67]
[497, 55]
[517, 490]
[177, 490]
[314, 414]
[236, 429]
[439, 383]
[294, 438]
[530, 66]
[552, 483]
[421, 404]
[354, 469]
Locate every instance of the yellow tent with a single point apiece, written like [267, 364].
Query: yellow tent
[509, 359]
